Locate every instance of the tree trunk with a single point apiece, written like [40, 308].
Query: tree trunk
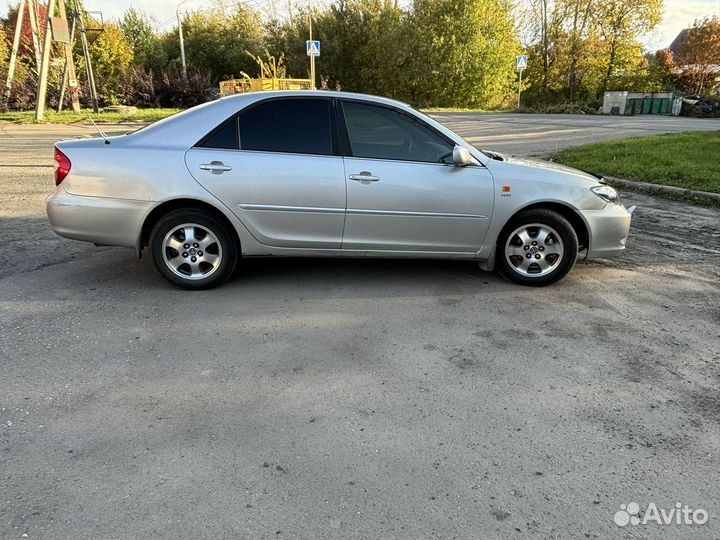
[611, 64]
[546, 53]
[577, 33]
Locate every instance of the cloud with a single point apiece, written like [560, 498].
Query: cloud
[677, 15]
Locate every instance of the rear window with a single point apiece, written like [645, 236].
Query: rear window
[298, 126]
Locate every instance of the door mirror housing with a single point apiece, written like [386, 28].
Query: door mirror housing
[461, 156]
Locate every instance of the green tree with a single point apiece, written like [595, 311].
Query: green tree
[621, 24]
[4, 53]
[111, 55]
[580, 48]
[439, 52]
[464, 53]
[288, 37]
[148, 51]
[346, 32]
[217, 43]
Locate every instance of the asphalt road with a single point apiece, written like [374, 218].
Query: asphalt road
[356, 398]
[542, 134]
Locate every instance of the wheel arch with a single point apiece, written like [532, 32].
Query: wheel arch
[568, 212]
[175, 204]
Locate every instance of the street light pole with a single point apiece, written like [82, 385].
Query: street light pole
[182, 43]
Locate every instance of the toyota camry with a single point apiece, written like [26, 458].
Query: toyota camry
[326, 174]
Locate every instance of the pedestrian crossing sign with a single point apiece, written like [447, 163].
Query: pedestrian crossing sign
[313, 47]
[521, 62]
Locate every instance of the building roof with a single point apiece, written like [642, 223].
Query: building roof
[677, 44]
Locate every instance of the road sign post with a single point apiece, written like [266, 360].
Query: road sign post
[521, 63]
[312, 48]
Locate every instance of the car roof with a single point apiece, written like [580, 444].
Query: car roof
[184, 129]
[256, 96]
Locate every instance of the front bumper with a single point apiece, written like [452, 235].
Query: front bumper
[608, 230]
[103, 221]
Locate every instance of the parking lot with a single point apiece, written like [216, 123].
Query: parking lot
[358, 398]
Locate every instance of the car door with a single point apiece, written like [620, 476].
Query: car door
[403, 192]
[275, 165]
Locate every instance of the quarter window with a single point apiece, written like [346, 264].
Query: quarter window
[300, 126]
[382, 133]
[225, 137]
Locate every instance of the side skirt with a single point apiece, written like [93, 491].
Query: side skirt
[301, 252]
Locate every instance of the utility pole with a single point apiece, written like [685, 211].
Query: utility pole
[31, 6]
[45, 63]
[182, 42]
[86, 52]
[14, 50]
[69, 75]
[34, 31]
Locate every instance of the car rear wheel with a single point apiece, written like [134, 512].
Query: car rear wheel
[536, 247]
[194, 249]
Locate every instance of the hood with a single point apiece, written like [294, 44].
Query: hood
[552, 168]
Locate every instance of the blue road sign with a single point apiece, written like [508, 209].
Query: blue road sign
[521, 62]
[313, 47]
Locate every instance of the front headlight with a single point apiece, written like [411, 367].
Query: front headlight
[606, 192]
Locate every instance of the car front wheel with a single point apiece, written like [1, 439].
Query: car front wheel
[536, 247]
[194, 249]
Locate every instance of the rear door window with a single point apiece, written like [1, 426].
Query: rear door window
[297, 126]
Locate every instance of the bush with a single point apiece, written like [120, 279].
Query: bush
[587, 107]
[177, 91]
[139, 88]
[24, 95]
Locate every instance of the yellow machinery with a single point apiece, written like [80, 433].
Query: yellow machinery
[241, 86]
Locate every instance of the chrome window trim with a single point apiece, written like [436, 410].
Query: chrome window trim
[343, 132]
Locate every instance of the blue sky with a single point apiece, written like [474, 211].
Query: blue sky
[678, 13]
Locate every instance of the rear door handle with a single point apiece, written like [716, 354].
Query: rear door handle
[364, 176]
[215, 167]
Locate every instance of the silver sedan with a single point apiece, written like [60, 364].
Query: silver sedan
[326, 174]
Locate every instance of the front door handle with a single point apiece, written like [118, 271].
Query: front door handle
[215, 167]
[364, 176]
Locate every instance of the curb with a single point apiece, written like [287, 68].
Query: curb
[657, 189]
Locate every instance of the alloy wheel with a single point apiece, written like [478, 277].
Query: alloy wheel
[534, 250]
[192, 251]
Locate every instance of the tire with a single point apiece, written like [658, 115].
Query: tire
[536, 247]
[203, 263]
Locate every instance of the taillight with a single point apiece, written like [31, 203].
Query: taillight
[62, 166]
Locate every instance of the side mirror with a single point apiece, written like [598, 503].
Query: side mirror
[461, 156]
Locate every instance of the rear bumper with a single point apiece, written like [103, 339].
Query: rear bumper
[112, 222]
[608, 228]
